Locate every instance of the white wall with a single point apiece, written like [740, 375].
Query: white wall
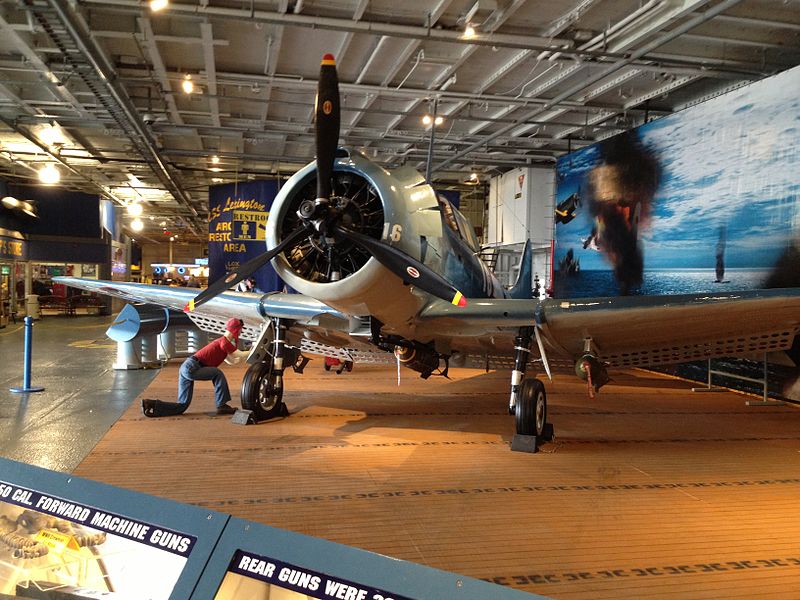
[520, 208]
[521, 204]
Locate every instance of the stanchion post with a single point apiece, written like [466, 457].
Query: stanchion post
[26, 375]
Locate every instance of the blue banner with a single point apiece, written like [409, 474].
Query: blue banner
[237, 229]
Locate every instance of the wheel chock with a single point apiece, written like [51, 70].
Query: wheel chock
[243, 416]
[524, 443]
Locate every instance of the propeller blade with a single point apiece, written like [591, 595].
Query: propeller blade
[327, 124]
[409, 269]
[245, 270]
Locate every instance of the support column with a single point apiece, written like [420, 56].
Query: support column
[166, 345]
[128, 354]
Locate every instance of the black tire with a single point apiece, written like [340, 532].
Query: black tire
[327, 367]
[260, 394]
[531, 408]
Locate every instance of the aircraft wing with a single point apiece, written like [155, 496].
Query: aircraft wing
[639, 330]
[252, 308]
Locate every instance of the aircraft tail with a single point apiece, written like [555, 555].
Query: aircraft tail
[523, 288]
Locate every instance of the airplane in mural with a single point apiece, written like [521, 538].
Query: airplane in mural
[387, 271]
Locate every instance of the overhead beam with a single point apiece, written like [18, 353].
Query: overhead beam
[600, 75]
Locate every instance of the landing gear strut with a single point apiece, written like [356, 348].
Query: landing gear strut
[528, 401]
[262, 386]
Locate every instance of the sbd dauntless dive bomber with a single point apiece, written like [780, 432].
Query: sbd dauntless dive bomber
[385, 269]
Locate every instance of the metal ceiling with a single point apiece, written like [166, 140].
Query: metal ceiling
[96, 86]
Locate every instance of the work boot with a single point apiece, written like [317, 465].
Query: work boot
[157, 408]
[225, 409]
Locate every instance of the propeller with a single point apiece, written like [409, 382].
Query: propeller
[327, 125]
[407, 268]
[320, 217]
[245, 270]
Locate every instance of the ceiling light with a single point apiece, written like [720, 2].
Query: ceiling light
[215, 159]
[137, 225]
[135, 209]
[216, 180]
[51, 135]
[469, 31]
[188, 84]
[162, 224]
[10, 202]
[157, 5]
[427, 119]
[172, 239]
[439, 120]
[215, 169]
[49, 175]
[27, 208]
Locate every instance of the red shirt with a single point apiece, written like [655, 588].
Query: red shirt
[213, 354]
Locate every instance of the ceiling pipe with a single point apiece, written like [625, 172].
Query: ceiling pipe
[75, 26]
[602, 74]
[526, 42]
[174, 9]
[228, 78]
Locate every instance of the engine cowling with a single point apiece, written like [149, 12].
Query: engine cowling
[365, 198]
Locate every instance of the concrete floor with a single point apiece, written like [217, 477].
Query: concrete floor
[83, 397]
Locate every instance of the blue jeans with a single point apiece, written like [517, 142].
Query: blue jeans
[192, 370]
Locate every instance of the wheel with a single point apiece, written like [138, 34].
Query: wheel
[260, 393]
[531, 408]
[327, 367]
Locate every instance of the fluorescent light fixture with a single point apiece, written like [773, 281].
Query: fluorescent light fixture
[10, 202]
[187, 84]
[215, 159]
[135, 209]
[215, 169]
[216, 180]
[469, 31]
[137, 225]
[157, 5]
[49, 175]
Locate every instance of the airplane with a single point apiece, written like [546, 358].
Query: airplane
[385, 270]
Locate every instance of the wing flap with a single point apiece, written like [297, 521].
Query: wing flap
[649, 330]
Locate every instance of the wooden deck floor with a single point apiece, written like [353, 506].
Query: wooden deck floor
[648, 491]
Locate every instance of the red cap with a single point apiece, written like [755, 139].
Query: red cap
[234, 325]
[328, 59]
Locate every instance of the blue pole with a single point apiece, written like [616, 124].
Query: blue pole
[26, 374]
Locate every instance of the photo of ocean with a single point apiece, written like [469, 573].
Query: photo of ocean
[594, 283]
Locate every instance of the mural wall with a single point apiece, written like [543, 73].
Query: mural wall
[702, 200]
